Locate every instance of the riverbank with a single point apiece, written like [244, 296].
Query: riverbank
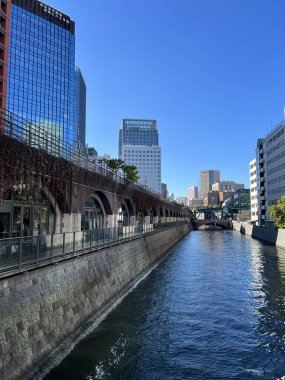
[270, 235]
[42, 308]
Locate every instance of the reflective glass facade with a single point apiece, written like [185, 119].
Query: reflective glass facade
[41, 72]
[80, 105]
[138, 132]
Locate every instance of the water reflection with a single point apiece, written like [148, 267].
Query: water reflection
[214, 309]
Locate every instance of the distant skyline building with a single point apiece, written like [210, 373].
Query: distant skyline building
[41, 68]
[207, 178]
[164, 192]
[80, 101]
[225, 186]
[138, 146]
[182, 201]
[192, 192]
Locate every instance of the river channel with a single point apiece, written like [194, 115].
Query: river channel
[213, 309]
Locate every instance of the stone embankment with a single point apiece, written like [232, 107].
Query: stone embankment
[267, 234]
[41, 309]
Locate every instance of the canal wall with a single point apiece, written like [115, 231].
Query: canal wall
[267, 234]
[42, 308]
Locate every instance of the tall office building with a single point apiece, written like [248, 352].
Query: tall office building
[207, 179]
[137, 132]
[4, 39]
[80, 100]
[192, 192]
[138, 145]
[41, 68]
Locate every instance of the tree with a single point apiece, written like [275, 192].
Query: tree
[131, 173]
[277, 213]
[114, 164]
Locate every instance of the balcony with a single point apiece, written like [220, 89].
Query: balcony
[263, 207]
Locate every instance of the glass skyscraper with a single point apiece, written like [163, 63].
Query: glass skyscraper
[80, 100]
[41, 69]
[138, 132]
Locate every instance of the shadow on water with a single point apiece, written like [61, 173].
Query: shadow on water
[213, 309]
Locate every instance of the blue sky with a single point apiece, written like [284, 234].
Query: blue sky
[210, 71]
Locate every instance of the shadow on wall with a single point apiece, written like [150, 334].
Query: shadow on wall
[266, 234]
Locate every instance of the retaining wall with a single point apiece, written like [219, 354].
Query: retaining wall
[41, 308]
[268, 234]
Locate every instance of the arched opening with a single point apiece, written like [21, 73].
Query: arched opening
[123, 216]
[125, 213]
[140, 217]
[26, 211]
[95, 212]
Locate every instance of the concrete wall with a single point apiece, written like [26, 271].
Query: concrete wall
[268, 234]
[41, 308]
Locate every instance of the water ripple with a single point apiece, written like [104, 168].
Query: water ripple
[214, 309]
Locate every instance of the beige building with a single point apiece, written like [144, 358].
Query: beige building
[225, 186]
[192, 192]
[207, 178]
[212, 198]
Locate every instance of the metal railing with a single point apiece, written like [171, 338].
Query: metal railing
[49, 137]
[26, 252]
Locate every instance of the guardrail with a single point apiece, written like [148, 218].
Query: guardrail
[21, 253]
[49, 137]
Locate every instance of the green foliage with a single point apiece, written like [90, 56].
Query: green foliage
[131, 173]
[114, 164]
[277, 213]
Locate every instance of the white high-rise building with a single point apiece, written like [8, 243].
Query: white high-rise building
[138, 146]
[147, 159]
[253, 191]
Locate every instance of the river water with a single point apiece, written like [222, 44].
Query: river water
[213, 309]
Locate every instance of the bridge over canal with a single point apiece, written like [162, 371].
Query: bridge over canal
[211, 217]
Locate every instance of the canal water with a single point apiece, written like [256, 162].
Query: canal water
[213, 309]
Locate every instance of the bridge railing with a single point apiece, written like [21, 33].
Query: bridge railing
[18, 254]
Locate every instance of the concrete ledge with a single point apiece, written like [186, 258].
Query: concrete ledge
[270, 235]
[40, 309]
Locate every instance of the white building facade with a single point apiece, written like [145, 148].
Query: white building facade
[138, 146]
[253, 191]
[147, 159]
[270, 171]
